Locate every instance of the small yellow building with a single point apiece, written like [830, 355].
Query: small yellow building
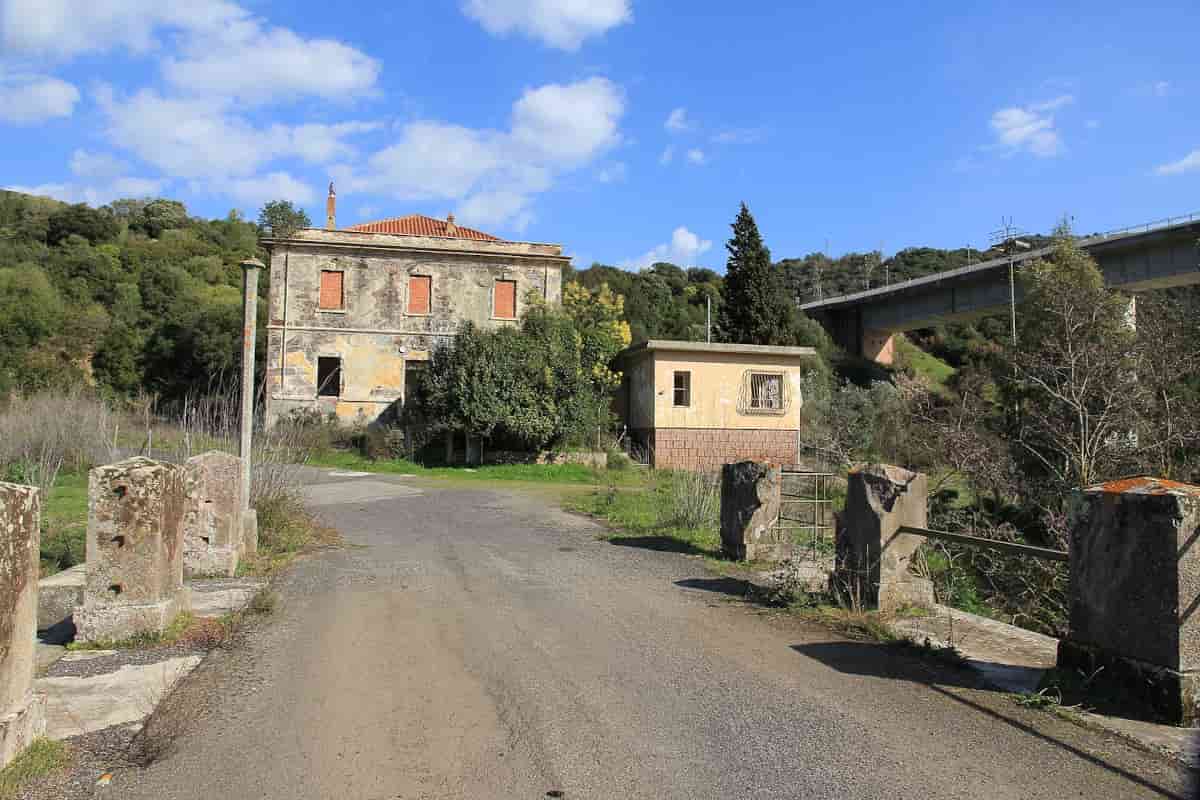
[694, 405]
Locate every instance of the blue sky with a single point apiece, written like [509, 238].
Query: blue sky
[627, 130]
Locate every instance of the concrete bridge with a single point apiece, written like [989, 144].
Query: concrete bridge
[1154, 256]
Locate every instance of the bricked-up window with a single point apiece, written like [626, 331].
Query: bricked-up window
[419, 292]
[332, 297]
[504, 305]
[329, 376]
[683, 388]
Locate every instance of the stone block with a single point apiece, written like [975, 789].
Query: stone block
[59, 594]
[1134, 590]
[873, 557]
[750, 503]
[22, 717]
[249, 532]
[134, 550]
[213, 537]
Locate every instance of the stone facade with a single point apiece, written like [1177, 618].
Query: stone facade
[134, 550]
[1134, 587]
[22, 711]
[710, 448]
[376, 335]
[750, 506]
[873, 557]
[213, 538]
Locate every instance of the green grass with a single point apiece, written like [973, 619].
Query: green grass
[64, 523]
[144, 640]
[530, 473]
[640, 517]
[39, 759]
[927, 365]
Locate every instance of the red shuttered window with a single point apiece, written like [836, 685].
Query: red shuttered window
[505, 303]
[419, 289]
[332, 298]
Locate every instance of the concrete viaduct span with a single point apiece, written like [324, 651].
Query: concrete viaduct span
[1153, 256]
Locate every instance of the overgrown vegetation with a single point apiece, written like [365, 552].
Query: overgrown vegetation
[43, 757]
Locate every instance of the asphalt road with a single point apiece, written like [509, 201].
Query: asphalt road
[477, 643]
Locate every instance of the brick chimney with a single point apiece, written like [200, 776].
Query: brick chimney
[331, 209]
[451, 228]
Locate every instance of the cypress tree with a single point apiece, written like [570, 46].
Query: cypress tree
[756, 307]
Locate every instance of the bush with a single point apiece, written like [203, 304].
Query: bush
[43, 433]
[694, 500]
[619, 462]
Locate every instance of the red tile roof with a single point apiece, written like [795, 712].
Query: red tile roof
[421, 225]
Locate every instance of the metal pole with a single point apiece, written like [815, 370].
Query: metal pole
[708, 319]
[250, 268]
[1012, 297]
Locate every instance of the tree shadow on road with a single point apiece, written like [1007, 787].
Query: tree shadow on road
[662, 544]
[877, 660]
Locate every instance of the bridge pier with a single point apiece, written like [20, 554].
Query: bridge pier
[847, 330]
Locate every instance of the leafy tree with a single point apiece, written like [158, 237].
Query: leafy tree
[1074, 374]
[95, 225]
[159, 216]
[756, 307]
[280, 219]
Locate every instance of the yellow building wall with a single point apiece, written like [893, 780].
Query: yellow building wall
[716, 383]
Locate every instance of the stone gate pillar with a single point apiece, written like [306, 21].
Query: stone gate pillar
[750, 505]
[214, 537]
[22, 711]
[1135, 593]
[134, 550]
[873, 557]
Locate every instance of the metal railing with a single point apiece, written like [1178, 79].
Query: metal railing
[1012, 548]
[806, 511]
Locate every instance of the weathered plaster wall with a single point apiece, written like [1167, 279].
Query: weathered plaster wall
[373, 334]
[716, 382]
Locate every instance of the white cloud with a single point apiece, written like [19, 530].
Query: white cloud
[220, 47]
[1092, 124]
[199, 138]
[1030, 129]
[96, 195]
[1188, 163]
[564, 24]
[696, 156]
[1162, 88]
[570, 123]
[492, 174]
[615, 172]
[254, 63]
[258, 190]
[668, 155]
[677, 121]
[28, 99]
[1053, 104]
[739, 136]
[97, 165]
[66, 28]
[683, 250]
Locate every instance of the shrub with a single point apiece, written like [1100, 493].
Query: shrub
[693, 499]
[45, 432]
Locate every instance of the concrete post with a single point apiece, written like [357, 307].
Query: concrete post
[22, 711]
[750, 506]
[250, 268]
[1134, 591]
[134, 550]
[872, 556]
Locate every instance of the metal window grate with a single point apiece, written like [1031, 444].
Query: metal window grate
[764, 393]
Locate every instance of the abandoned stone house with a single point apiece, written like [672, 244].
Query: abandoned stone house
[354, 313]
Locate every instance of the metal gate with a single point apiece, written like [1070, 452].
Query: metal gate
[806, 514]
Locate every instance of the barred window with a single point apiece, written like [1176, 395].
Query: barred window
[764, 393]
